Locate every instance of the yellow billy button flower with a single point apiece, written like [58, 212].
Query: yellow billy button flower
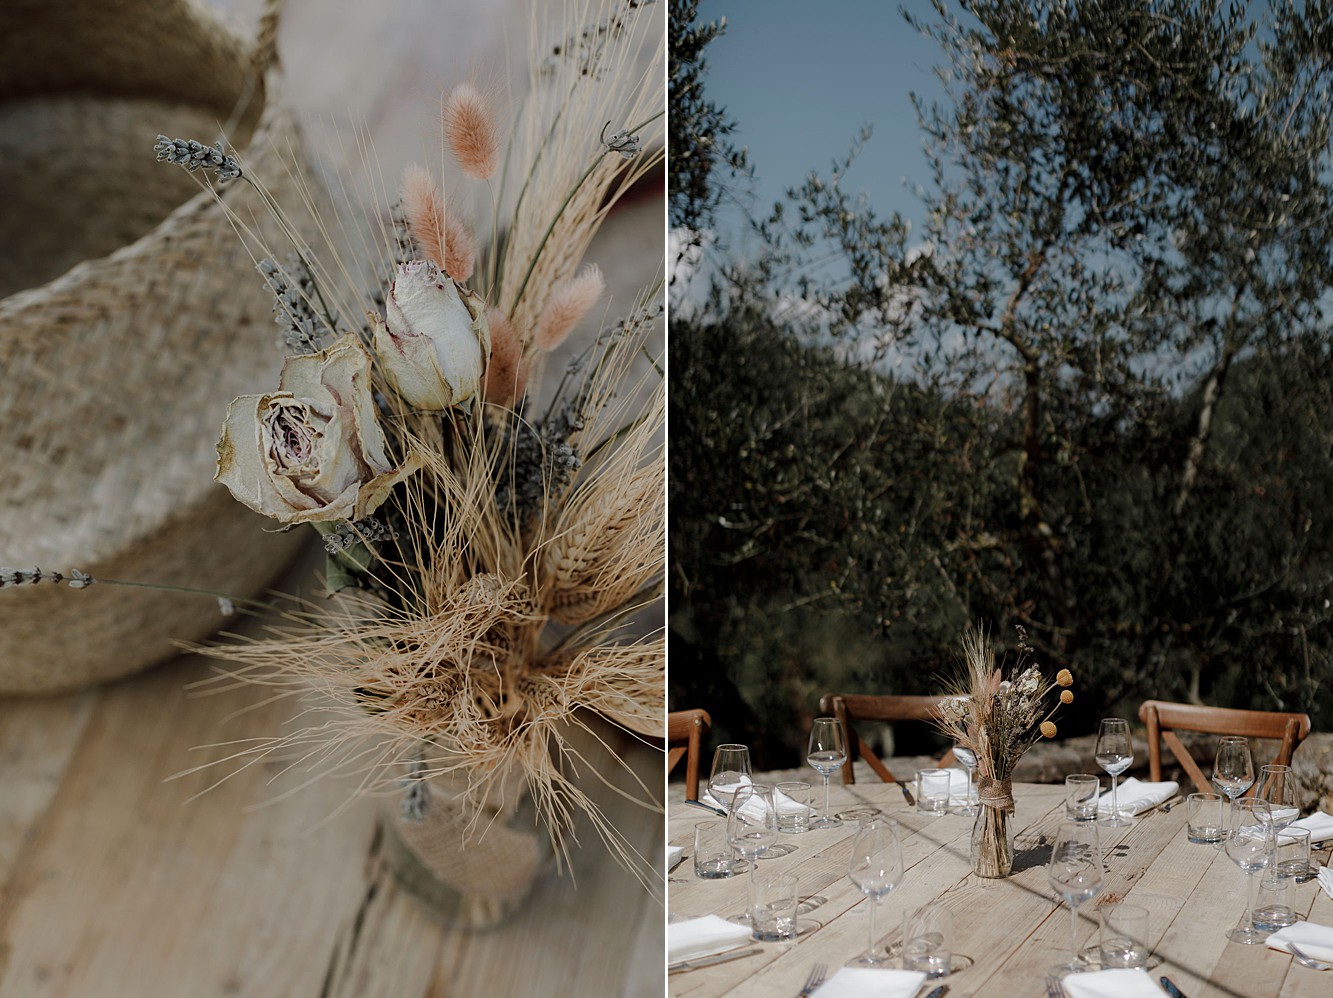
[1066, 696]
[1064, 678]
[1047, 729]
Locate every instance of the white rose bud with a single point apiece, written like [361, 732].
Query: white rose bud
[434, 342]
[312, 450]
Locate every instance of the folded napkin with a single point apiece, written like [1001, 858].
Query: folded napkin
[871, 982]
[781, 801]
[1115, 983]
[673, 854]
[1315, 940]
[1325, 876]
[696, 937]
[1137, 796]
[1320, 826]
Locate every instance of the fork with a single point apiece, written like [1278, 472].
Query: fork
[1305, 959]
[815, 979]
[1053, 988]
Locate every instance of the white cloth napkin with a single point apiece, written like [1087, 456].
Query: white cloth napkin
[696, 937]
[1320, 826]
[673, 854]
[1137, 796]
[1115, 983]
[781, 801]
[1325, 877]
[1314, 940]
[871, 982]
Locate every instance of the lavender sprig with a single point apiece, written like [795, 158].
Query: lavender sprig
[194, 155]
[33, 576]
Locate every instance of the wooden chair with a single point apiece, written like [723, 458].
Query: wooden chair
[849, 707]
[1164, 719]
[685, 736]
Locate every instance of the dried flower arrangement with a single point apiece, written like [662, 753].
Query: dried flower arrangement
[491, 537]
[999, 719]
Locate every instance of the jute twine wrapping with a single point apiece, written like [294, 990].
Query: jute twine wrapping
[118, 369]
[473, 866]
[998, 794]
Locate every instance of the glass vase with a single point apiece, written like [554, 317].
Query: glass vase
[473, 866]
[992, 842]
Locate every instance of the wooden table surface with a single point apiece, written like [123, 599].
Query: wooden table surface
[114, 882]
[1012, 929]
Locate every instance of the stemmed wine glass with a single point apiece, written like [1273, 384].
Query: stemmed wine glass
[1233, 770]
[1277, 789]
[969, 760]
[827, 752]
[1114, 753]
[752, 826]
[876, 868]
[731, 771]
[1075, 871]
[1247, 845]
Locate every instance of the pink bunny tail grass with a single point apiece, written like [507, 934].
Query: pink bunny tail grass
[460, 253]
[505, 375]
[471, 132]
[423, 207]
[567, 307]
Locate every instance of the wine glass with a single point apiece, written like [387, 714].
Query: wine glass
[1114, 753]
[1277, 789]
[1247, 846]
[731, 771]
[969, 759]
[876, 868]
[1233, 770]
[827, 752]
[752, 826]
[1075, 871]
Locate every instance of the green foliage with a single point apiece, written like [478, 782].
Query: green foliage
[1111, 419]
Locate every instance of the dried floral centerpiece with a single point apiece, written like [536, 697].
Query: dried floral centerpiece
[495, 536]
[999, 719]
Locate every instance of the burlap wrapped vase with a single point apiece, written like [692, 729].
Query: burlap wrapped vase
[131, 315]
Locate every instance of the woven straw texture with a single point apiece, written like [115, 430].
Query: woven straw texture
[118, 369]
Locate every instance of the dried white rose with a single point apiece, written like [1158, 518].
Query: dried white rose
[311, 450]
[434, 342]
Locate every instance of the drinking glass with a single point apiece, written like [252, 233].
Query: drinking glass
[731, 771]
[1075, 871]
[1081, 791]
[1114, 753]
[1277, 789]
[752, 826]
[876, 868]
[827, 752]
[1233, 769]
[1247, 846]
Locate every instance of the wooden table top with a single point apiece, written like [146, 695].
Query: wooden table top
[117, 880]
[1011, 929]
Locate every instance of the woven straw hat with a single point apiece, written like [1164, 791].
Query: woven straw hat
[130, 315]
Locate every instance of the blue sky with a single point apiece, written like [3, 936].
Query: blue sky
[800, 79]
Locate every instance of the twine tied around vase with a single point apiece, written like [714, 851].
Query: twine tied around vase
[995, 793]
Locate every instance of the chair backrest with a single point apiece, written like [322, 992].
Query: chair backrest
[850, 707]
[1163, 719]
[685, 737]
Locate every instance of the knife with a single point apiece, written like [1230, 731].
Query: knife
[707, 807]
[1171, 989]
[907, 794]
[939, 992]
[708, 961]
